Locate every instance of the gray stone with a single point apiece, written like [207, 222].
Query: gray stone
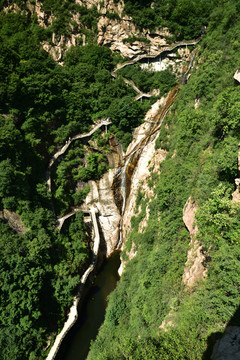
[228, 347]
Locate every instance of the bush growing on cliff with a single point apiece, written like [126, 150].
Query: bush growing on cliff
[148, 80]
[42, 105]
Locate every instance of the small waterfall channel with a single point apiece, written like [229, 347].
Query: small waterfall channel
[77, 342]
[122, 182]
[124, 191]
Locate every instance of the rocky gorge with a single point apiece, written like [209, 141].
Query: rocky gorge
[119, 155]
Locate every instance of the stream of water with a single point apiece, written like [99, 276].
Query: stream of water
[76, 344]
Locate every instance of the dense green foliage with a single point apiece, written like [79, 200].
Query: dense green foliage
[147, 80]
[201, 163]
[132, 39]
[185, 19]
[39, 273]
[42, 104]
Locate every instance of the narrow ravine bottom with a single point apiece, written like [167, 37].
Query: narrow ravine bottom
[91, 316]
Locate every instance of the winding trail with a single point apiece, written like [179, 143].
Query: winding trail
[166, 49]
[60, 221]
[131, 83]
[104, 122]
[73, 312]
[156, 125]
[131, 158]
[160, 116]
[140, 94]
[163, 50]
[157, 120]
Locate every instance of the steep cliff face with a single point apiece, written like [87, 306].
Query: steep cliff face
[114, 28]
[181, 259]
[147, 165]
[114, 33]
[171, 298]
[102, 196]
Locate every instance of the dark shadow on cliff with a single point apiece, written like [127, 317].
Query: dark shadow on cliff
[214, 337]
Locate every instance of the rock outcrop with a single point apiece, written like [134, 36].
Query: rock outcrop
[101, 195]
[113, 28]
[194, 267]
[189, 211]
[176, 62]
[149, 159]
[236, 194]
[14, 221]
[237, 75]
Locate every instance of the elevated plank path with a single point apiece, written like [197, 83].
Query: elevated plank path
[165, 49]
[73, 312]
[103, 122]
[157, 123]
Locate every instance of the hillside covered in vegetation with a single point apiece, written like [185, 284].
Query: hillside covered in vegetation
[153, 314]
[43, 103]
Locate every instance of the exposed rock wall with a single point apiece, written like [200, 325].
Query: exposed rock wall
[237, 75]
[73, 312]
[189, 211]
[194, 267]
[111, 30]
[139, 181]
[101, 195]
[176, 62]
[149, 158]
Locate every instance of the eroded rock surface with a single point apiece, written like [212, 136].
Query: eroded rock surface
[101, 195]
[236, 194]
[189, 211]
[149, 159]
[112, 28]
[194, 267]
[139, 181]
